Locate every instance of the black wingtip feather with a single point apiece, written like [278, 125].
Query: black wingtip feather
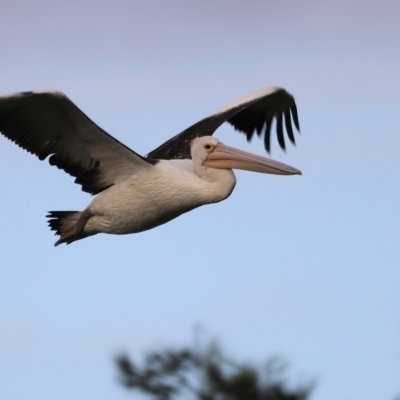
[293, 109]
[260, 126]
[249, 134]
[288, 125]
[279, 132]
[267, 135]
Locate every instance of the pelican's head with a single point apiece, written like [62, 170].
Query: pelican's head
[211, 153]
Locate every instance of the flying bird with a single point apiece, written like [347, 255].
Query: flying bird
[136, 193]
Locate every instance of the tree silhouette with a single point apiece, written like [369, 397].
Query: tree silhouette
[206, 375]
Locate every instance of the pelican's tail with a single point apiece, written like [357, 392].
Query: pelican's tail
[65, 224]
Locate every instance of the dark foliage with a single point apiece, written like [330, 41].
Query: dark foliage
[189, 374]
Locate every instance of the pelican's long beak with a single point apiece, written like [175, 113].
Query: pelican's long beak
[225, 157]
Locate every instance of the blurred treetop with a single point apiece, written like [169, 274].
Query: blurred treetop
[207, 375]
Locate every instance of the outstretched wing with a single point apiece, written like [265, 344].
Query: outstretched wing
[49, 124]
[249, 114]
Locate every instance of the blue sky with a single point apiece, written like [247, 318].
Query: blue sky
[305, 267]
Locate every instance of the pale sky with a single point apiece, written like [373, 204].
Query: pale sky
[305, 267]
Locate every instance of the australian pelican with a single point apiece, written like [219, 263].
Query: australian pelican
[137, 193]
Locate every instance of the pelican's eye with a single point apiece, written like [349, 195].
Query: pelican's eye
[208, 147]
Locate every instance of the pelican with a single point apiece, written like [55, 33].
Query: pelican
[136, 193]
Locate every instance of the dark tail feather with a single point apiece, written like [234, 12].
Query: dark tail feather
[59, 219]
[63, 222]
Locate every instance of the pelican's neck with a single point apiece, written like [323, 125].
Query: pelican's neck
[222, 181]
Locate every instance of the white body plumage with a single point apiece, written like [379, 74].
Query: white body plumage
[147, 200]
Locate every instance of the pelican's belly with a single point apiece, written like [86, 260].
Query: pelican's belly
[139, 205]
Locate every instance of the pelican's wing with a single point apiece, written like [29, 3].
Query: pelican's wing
[249, 114]
[49, 124]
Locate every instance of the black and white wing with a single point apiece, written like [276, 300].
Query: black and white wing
[249, 114]
[49, 124]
